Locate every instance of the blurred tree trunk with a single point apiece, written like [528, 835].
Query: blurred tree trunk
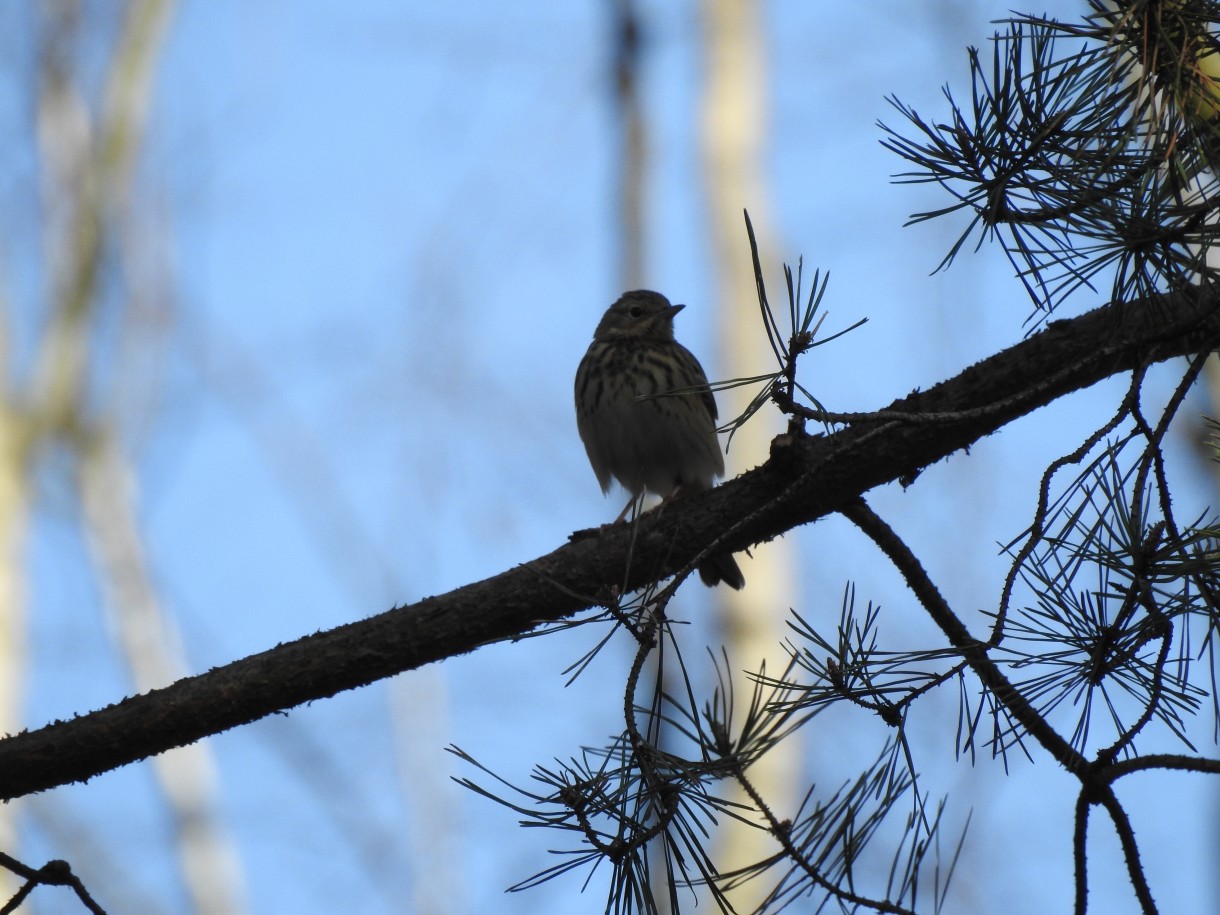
[13, 519]
[625, 29]
[87, 162]
[733, 131]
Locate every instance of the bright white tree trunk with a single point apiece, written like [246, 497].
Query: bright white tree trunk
[733, 134]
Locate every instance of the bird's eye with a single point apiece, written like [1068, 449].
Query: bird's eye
[635, 311]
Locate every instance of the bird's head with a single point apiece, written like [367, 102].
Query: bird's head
[640, 314]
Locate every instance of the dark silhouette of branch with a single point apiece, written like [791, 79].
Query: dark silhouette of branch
[1131, 851]
[53, 873]
[1080, 856]
[805, 478]
[781, 832]
[973, 650]
[1174, 761]
[1036, 531]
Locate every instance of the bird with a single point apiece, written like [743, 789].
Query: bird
[646, 414]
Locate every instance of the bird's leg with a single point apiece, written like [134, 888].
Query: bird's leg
[637, 500]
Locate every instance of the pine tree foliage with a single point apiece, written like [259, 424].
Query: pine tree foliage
[1086, 150]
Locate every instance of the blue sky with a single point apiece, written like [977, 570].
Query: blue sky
[389, 229]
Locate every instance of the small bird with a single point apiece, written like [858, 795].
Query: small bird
[634, 429]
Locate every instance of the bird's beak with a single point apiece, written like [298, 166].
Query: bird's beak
[673, 310]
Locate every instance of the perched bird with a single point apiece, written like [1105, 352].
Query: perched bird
[634, 429]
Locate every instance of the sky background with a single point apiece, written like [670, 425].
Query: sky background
[386, 231]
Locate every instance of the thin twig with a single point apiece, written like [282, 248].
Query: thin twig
[1080, 853]
[1036, 530]
[782, 832]
[1131, 851]
[974, 652]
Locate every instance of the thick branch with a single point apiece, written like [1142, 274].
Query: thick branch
[804, 479]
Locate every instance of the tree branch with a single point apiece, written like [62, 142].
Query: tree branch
[804, 479]
[1131, 851]
[973, 650]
